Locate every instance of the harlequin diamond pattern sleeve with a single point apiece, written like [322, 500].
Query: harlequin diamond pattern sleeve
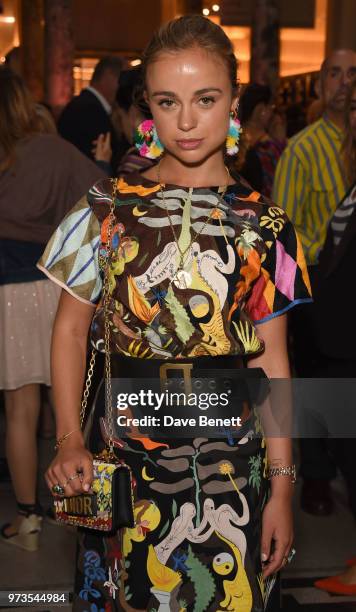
[71, 256]
[284, 281]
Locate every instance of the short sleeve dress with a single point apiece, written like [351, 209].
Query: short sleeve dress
[198, 502]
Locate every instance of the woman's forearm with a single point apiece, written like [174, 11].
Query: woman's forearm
[279, 454]
[276, 414]
[68, 368]
[68, 361]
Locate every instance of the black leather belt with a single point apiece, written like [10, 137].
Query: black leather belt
[123, 367]
[199, 377]
[215, 374]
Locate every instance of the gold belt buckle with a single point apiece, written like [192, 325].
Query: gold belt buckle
[186, 368]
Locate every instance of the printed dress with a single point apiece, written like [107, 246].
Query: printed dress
[198, 501]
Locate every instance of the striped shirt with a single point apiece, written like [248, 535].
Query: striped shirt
[310, 182]
[342, 215]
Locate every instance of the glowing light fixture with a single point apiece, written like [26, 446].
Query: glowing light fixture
[216, 8]
[9, 19]
[2, 60]
[206, 12]
[136, 62]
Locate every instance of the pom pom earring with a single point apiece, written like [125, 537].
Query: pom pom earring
[233, 135]
[147, 141]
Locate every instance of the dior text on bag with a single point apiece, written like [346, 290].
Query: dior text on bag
[109, 505]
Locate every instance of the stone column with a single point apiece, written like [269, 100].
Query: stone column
[264, 67]
[31, 50]
[59, 53]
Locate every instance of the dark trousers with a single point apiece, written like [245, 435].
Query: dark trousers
[315, 460]
[321, 457]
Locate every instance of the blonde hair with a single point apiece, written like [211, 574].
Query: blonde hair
[348, 150]
[17, 114]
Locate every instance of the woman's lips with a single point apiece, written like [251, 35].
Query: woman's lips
[189, 144]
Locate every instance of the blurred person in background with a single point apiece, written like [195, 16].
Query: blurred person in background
[131, 113]
[41, 175]
[263, 149]
[332, 305]
[310, 183]
[88, 115]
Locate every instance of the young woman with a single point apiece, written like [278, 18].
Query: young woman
[199, 261]
[40, 174]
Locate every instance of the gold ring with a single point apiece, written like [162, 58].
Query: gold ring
[69, 479]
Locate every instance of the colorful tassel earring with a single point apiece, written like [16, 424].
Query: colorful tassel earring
[233, 135]
[147, 141]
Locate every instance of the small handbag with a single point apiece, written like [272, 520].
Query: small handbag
[109, 505]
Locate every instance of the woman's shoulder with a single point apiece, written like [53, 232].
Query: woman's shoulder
[45, 142]
[243, 192]
[125, 189]
[255, 207]
[57, 154]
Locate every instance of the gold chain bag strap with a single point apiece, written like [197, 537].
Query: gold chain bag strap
[109, 505]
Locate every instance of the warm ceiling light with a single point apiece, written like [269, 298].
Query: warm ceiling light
[136, 62]
[206, 12]
[216, 8]
[2, 60]
[7, 19]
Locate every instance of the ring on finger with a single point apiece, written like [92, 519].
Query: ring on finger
[58, 489]
[70, 479]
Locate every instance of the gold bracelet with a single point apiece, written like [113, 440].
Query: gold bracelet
[63, 438]
[288, 470]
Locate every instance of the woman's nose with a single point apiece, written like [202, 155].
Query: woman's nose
[186, 119]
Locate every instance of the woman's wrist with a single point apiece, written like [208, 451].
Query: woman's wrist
[69, 437]
[282, 488]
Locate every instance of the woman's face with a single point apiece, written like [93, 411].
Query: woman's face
[190, 97]
[353, 114]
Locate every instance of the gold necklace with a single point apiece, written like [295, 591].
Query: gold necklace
[179, 275]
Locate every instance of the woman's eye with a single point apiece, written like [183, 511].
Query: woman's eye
[166, 103]
[206, 101]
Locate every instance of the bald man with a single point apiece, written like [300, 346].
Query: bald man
[309, 184]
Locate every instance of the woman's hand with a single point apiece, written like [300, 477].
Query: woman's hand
[102, 147]
[277, 528]
[72, 468]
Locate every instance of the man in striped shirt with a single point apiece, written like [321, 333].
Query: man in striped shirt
[309, 184]
[309, 181]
